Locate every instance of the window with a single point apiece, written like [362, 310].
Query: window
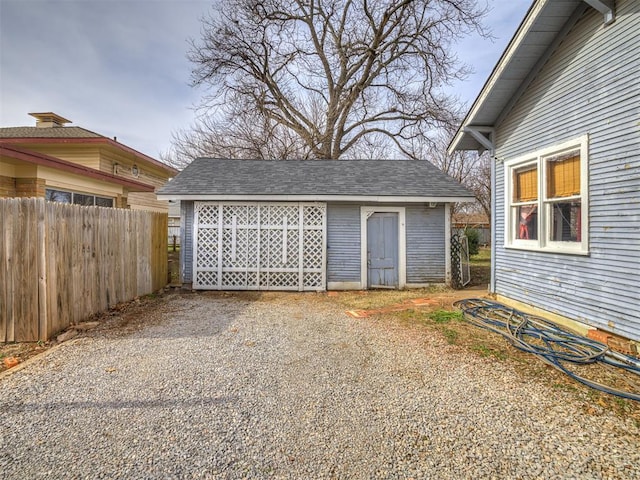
[546, 199]
[104, 202]
[61, 196]
[82, 199]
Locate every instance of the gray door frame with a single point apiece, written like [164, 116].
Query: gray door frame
[365, 213]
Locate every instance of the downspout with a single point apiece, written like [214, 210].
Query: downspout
[485, 137]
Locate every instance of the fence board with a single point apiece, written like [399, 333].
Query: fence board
[4, 281]
[12, 235]
[60, 264]
[41, 243]
[26, 272]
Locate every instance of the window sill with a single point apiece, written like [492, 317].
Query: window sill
[559, 251]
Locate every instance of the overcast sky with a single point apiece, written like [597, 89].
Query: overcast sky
[119, 68]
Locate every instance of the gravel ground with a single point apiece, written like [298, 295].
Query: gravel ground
[288, 386]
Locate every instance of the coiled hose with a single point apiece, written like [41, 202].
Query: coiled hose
[548, 341]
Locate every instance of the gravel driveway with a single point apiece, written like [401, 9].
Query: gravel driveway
[288, 386]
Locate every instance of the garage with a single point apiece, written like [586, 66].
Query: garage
[313, 225]
[259, 246]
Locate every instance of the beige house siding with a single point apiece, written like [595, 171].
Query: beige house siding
[87, 156]
[75, 183]
[147, 201]
[7, 187]
[19, 177]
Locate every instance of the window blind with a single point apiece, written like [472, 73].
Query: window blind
[563, 176]
[525, 184]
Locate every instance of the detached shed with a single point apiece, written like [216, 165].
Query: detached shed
[314, 224]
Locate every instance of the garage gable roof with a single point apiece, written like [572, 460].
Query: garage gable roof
[226, 179]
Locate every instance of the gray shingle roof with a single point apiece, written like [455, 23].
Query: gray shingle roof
[50, 132]
[354, 178]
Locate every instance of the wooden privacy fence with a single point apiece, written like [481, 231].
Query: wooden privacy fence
[60, 264]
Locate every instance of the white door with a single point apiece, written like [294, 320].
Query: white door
[259, 246]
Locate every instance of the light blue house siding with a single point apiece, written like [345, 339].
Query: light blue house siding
[590, 85]
[425, 238]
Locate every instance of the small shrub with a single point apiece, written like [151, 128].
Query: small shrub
[473, 237]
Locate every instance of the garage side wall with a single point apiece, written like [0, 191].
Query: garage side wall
[426, 262]
[343, 244]
[425, 254]
[186, 241]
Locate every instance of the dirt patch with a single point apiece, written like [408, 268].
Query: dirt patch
[449, 323]
[174, 266]
[122, 319]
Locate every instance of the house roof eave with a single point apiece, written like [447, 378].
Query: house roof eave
[544, 26]
[36, 158]
[98, 140]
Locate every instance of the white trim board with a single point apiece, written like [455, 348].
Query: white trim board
[365, 212]
[343, 286]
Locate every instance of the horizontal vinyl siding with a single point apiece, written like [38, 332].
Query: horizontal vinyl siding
[147, 201]
[590, 85]
[425, 244]
[343, 243]
[425, 256]
[186, 241]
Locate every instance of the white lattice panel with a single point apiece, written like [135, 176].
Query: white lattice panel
[265, 246]
[207, 214]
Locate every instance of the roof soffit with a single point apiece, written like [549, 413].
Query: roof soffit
[539, 34]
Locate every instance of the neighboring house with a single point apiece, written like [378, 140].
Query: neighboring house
[174, 213]
[560, 114]
[74, 165]
[314, 224]
[174, 223]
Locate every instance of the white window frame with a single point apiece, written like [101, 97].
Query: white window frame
[543, 242]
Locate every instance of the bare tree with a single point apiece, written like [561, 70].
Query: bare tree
[469, 168]
[480, 182]
[234, 132]
[337, 74]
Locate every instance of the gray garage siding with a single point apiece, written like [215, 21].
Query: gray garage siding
[186, 240]
[590, 85]
[343, 242]
[425, 244]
